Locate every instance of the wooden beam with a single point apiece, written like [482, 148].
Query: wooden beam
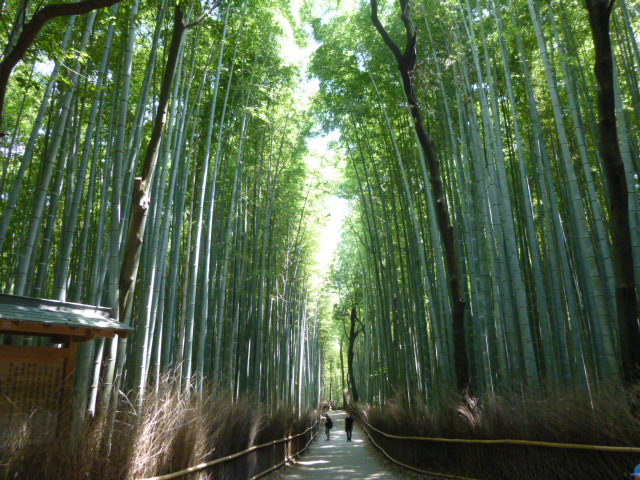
[24, 327]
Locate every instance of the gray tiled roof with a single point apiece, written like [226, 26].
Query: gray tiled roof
[51, 312]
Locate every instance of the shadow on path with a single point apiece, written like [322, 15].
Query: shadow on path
[338, 459]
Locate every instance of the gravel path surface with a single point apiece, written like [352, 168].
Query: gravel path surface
[338, 459]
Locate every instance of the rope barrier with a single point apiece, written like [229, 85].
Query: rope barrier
[207, 465]
[408, 467]
[275, 467]
[533, 443]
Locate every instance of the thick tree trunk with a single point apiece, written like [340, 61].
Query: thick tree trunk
[31, 30]
[344, 388]
[353, 334]
[406, 62]
[599, 18]
[140, 205]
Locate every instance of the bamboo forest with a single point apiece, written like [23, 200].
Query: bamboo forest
[227, 225]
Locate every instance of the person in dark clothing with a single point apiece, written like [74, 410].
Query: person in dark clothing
[328, 425]
[348, 426]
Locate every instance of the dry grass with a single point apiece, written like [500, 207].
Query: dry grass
[608, 418]
[169, 432]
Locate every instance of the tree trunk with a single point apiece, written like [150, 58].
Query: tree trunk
[342, 383]
[140, 205]
[599, 18]
[353, 334]
[406, 62]
[31, 30]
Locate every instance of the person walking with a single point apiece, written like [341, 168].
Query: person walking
[348, 426]
[328, 425]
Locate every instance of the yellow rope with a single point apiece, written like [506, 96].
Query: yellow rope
[204, 466]
[574, 446]
[409, 467]
[275, 467]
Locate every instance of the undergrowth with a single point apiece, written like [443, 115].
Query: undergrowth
[606, 418]
[170, 431]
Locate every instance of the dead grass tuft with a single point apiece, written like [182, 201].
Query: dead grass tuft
[170, 431]
[607, 418]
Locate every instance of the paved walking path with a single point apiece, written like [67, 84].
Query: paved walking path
[338, 459]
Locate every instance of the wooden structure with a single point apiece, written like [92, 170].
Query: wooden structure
[38, 348]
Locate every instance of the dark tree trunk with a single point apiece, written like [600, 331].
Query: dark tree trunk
[140, 204]
[344, 388]
[406, 62]
[353, 334]
[599, 18]
[30, 32]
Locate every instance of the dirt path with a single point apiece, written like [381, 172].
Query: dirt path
[338, 459]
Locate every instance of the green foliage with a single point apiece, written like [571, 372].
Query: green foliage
[255, 242]
[510, 106]
[530, 220]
